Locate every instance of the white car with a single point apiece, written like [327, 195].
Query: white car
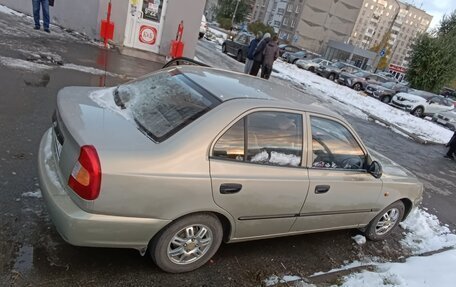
[203, 27]
[311, 65]
[422, 103]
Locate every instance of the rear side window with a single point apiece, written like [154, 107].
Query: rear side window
[164, 103]
[334, 146]
[271, 138]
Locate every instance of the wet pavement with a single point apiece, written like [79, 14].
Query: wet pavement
[33, 254]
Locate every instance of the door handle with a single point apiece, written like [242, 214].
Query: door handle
[228, 188]
[322, 189]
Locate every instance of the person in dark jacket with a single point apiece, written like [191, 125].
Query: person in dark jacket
[36, 14]
[270, 54]
[252, 47]
[452, 145]
[258, 54]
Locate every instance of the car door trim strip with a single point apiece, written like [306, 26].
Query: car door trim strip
[278, 216]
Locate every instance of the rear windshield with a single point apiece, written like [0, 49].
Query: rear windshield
[164, 103]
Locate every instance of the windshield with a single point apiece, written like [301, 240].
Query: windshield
[164, 103]
[338, 65]
[361, 74]
[317, 60]
[389, 85]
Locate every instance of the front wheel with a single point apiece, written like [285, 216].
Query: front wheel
[418, 112]
[384, 223]
[332, 77]
[357, 87]
[312, 69]
[187, 243]
[386, 99]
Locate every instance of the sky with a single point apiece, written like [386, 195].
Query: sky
[436, 8]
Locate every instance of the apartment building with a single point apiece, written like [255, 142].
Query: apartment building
[378, 17]
[309, 24]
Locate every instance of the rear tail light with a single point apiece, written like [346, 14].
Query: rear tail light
[85, 178]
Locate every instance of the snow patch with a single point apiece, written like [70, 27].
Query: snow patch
[274, 280]
[35, 194]
[425, 233]
[359, 239]
[22, 64]
[434, 270]
[326, 89]
[105, 99]
[89, 70]
[6, 10]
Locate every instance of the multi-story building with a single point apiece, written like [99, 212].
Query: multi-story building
[394, 22]
[309, 24]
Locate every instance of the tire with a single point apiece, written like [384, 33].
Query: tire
[294, 61]
[386, 99]
[224, 48]
[332, 76]
[162, 245]
[357, 87]
[395, 211]
[311, 69]
[418, 112]
[239, 56]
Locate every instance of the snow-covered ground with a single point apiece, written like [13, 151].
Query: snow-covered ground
[324, 88]
[423, 234]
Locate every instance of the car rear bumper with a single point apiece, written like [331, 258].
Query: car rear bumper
[82, 228]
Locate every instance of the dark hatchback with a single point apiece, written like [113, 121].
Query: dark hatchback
[333, 71]
[385, 91]
[238, 46]
[359, 80]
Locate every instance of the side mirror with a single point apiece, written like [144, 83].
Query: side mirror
[375, 168]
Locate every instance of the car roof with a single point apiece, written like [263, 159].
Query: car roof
[227, 85]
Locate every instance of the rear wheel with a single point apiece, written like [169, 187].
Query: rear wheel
[224, 48]
[312, 69]
[357, 87]
[386, 99]
[384, 223]
[187, 243]
[294, 61]
[239, 56]
[418, 112]
[332, 76]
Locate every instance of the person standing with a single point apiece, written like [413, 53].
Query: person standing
[251, 50]
[452, 147]
[258, 54]
[36, 14]
[271, 53]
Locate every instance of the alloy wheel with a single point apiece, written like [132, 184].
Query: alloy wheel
[190, 244]
[387, 221]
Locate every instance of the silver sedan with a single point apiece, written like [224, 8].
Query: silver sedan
[178, 161]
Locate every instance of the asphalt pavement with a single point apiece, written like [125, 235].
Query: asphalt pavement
[33, 254]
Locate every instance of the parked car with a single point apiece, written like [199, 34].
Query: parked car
[285, 48]
[311, 65]
[385, 91]
[294, 57]
[359, 80]
[179, 160]
[332, 71]
[421, 103]
[388, 75]
[203, 27]
[447, 119]
[238, 46]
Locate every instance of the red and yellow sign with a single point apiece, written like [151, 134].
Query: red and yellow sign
[147, 34]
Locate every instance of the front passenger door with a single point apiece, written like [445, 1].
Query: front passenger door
[341, 193]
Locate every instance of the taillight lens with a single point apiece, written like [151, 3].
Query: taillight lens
[85, 178]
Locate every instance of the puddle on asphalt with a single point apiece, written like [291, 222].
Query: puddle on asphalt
[24, 260]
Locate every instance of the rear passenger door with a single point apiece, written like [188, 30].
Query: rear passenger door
[257, 173]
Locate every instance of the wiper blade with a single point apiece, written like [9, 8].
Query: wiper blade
[118, 100]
